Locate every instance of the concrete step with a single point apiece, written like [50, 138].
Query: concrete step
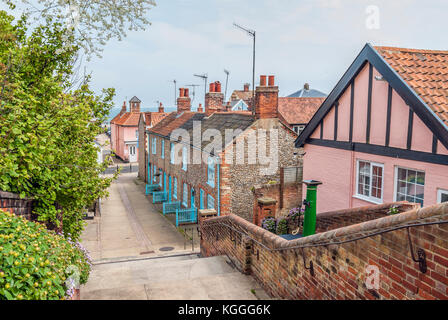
[181, 277]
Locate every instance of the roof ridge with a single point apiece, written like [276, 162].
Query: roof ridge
[411, 50]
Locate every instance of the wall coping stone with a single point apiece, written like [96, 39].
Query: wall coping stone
[275, 242]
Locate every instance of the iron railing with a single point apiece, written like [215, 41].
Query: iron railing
[159, 196]
[150, 188]
[171, 207]
[184, 216]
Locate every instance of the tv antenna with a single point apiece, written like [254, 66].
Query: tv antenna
[251, 33]
[204, 77]
[227, 72]
[175, 92]
[193, 87]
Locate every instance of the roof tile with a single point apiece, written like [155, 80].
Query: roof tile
[298, 110]
[425, 71]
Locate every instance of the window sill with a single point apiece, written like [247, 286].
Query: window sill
[367, 199]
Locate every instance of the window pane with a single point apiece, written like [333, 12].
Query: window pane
[364, 179]
[410, 186]
[402, 174]
[444, 197]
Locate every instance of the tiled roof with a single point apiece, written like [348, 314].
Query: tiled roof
[128, 119]
[153, 118]
[241, 94]
[298, 110]
[171, 122]
[222, 121]
[306, 92]
[425, 71]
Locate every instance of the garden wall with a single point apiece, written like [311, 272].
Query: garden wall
[340, 257]
[13, 203]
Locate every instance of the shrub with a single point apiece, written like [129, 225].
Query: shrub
[269, 224]
[282, 226]
[37, 264]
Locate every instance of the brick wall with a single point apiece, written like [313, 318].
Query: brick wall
[241, 179]
[195, 176]
[340, 269]
[291, 193]
[142, 147]
[13, 203]
[341, 218]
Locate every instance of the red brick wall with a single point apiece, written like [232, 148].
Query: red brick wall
[13, 203]
[339, 269]
[292, 196]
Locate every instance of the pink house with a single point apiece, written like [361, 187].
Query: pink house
[382, 133]
[124, 131]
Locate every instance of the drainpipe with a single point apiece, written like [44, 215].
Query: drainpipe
[219, 190]
[309, 223]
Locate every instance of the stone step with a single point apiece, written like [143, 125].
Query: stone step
[171, 278]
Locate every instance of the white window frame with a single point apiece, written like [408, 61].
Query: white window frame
[396, 180]
[208, 201]
[162, 151]
[185, 195]
[175, 188]
[298, 128]
[184, 158]
[364, 197]
[172, 152]
[154, 145]
[211, 168]
[439, 194]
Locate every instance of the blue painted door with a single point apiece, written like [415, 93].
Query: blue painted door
[192, 198]
[170, 189]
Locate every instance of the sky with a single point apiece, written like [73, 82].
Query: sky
[298, 41]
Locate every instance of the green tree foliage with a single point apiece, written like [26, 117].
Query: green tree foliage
[47, 130]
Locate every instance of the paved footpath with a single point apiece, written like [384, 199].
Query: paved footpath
[128, 244]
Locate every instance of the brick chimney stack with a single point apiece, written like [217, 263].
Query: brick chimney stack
[266, 99]
[123, 108]
[184, 101]
[200, 109]
[214, 99]
[161, 108]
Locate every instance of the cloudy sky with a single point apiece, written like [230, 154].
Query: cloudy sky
[298, 41]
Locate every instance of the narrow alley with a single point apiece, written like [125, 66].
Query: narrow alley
[138, 254]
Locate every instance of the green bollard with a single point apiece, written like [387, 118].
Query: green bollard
[309, 223]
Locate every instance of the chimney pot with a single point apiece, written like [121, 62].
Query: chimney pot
[266, 99]
[212, 87]
[200, 108]
[246, 87]
[187, 92]
[218, 86]
[184, 101]
[161, 108]
[306, 86]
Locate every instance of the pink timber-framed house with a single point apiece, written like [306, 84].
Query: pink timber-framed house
[382, 133]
